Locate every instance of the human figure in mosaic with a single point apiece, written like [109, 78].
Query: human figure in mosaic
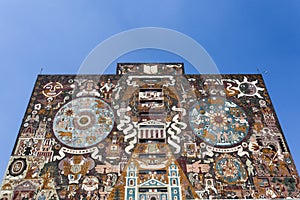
[42, 196]
[150, 133]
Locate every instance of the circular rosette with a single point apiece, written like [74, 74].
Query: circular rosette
[17, 167]
[219, 122]
[83, 122]
[230, 170]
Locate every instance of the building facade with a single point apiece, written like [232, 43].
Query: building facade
[150, 132]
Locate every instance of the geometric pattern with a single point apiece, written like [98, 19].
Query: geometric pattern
[150, 132]
[83, 122]
[220, 124]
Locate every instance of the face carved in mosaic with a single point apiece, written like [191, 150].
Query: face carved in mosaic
[52, 89]
[172, 139]
[248, 88]
[17, 167]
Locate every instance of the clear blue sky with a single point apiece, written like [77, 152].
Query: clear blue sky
[240, 36]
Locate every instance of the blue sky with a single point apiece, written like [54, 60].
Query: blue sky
[240, 36]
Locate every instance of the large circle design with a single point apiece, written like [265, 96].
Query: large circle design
[83, 122]
[219, 122]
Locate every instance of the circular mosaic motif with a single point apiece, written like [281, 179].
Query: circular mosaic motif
[17, 167]
[219, 122]
[83, 122]
[230, 170]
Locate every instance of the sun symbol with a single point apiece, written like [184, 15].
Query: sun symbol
[69, 112]
[218, 120]
[248, 88]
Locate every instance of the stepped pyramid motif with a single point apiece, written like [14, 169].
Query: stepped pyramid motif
[150, 132]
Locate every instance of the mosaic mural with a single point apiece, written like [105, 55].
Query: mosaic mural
[150, 132]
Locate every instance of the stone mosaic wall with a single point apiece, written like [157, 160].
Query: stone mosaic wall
[150, 132]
